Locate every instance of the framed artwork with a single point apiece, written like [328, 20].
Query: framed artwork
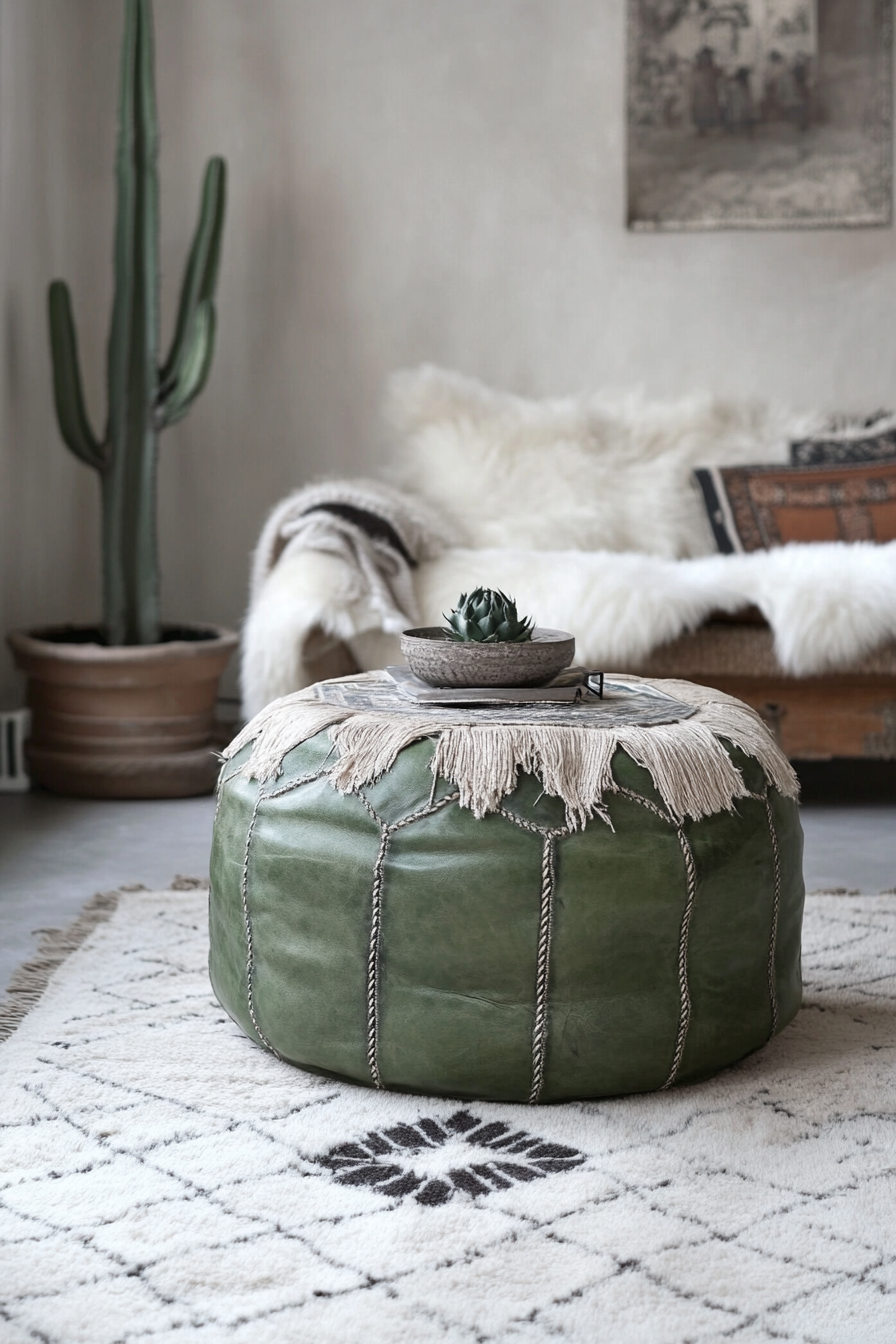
[759, 114]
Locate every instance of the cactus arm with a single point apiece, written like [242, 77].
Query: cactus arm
[201, 274]
[189, 376]
[71, 412]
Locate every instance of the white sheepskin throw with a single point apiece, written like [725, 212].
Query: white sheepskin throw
[608, 471]
[829, 604]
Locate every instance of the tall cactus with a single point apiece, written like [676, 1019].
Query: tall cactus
[142, 396]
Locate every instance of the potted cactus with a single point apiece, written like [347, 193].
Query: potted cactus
[487, 643]
[127, 709]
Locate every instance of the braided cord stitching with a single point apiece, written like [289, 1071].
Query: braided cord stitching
[373, 960]
[684, 1012]
[540, 1026]
[543, 956]
[776, 907]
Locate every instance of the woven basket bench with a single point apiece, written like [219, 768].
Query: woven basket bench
[530, 904]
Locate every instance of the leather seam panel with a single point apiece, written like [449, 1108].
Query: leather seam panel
[684, 992]
[244, 897]
[387, 830]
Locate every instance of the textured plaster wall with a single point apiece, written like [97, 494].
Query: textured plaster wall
[410, 180]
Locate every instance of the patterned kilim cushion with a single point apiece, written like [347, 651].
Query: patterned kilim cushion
[755, 508]
[492, 904]
[872, 441]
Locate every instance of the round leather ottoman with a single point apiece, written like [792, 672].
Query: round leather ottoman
[516, 904]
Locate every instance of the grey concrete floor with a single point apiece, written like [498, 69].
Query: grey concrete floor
[56, 852]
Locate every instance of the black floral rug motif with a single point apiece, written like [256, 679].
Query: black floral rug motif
[433, 1160]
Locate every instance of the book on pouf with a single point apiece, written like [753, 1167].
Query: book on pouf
[572, 685]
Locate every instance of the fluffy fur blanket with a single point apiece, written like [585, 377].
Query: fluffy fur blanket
[609, 471]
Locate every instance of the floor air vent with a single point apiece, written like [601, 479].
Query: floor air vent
[14, 726]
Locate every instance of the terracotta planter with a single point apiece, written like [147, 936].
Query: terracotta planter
[132, 722]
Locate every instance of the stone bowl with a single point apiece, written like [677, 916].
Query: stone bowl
[435, 658]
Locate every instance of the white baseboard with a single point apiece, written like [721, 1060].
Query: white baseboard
[14, 728]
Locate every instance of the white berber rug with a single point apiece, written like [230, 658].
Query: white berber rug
[164, 1180]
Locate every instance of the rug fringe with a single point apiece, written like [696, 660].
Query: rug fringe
[28, 983]
[30, 980]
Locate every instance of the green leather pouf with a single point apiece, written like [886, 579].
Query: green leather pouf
[390, 936]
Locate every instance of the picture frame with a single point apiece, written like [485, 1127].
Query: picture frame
[759, 114]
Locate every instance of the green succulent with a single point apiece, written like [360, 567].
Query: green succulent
[488, 616]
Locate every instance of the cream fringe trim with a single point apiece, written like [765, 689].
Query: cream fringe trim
[280, 726]
[369, 743]
[690, 768]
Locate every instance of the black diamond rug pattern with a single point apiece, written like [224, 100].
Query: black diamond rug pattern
[473, 1157]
